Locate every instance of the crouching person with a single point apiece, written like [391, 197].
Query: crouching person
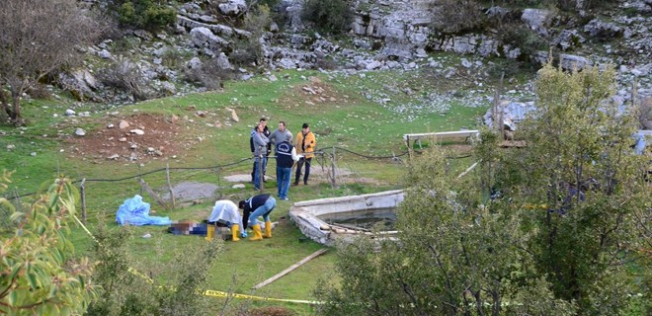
[254, 207]
[225, 214]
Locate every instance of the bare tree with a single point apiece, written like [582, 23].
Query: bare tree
[37, 37]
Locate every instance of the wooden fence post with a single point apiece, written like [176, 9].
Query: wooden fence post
[167, 176]
[261, 174]
[333, 168]
[82, 189]
[409, 147]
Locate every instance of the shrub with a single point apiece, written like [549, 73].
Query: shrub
[332, 16]
[645, 116]
[123, 75]
[250, 50]
[40, 91]
[457, 16]
[210, 75]
[145, 14]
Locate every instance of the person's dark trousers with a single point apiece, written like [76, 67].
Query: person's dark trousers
[253, 169]
[265, 167]
[300, 164]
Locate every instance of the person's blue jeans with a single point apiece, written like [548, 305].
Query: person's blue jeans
[257, 176]
[263, 211]
[283, 176]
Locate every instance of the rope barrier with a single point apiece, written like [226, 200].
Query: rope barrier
[321, 151]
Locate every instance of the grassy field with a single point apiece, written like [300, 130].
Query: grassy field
[343, 117]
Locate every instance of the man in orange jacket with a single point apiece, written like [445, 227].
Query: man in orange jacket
[305, 145]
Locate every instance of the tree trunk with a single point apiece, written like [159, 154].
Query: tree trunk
[15, 115]
[4, 106]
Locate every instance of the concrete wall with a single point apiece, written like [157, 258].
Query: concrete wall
[307, 215]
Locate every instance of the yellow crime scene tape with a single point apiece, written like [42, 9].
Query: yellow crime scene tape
[211, 293]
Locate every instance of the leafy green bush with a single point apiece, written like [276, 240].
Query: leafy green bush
[249, 50]
[40, 273]
[144, 14]
[332, 16]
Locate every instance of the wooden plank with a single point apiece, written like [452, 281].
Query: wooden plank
[440, 135]
[291, 268]
[151, 193]
[351, 227]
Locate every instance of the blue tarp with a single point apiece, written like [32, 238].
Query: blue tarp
[136, 212]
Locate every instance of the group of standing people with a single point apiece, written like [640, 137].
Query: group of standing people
[287, 153]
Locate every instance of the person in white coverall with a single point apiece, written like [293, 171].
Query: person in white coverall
[225, 213]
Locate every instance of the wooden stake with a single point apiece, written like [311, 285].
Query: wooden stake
[467, 170]
[167, 176]
[333, 168]
[82, 188]
[290, 269]
[409, 147]
[260, 171]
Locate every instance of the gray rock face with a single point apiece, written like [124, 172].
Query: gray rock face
[223, 62]
[570, 62]
[233, 7]
[81, 83]
[537, 19]
[598, 28]
[104, 54]
[194, 63]
[203, 37]
[512, 111]
[569, 40]
[167, 88]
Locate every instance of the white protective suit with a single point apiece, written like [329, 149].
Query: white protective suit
[225, 212]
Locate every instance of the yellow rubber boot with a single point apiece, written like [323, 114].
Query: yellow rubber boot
[268, 230]
[210, 232]
[258, 234]
[235, 231]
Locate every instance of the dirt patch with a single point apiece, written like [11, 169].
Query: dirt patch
[270, 311]
[143, 137]
[314, 92]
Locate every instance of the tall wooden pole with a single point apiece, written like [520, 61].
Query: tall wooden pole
[83, 199]
[167, 176]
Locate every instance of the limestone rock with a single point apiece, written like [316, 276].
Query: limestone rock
[569, 39]
[570, 62]
[203, 37]
[223, 62]
[138, 132]
[80, 132]
[123, 124]
[598, 28]
[537, 19]
[234, 115]
[104, 54]
[194, 63]
[233, 7]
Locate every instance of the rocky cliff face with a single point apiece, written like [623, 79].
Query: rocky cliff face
[384, 34]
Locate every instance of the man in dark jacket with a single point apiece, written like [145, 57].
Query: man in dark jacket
[286, 156]
[254, 207]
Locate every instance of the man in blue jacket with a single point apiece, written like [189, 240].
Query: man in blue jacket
[286, 156]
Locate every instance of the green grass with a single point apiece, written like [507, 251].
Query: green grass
[351, 121]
